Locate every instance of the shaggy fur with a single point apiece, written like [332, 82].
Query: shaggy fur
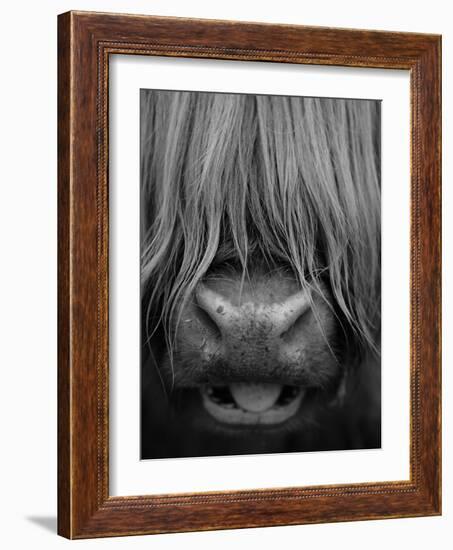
[292, 180]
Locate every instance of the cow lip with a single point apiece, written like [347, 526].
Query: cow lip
[252, 403]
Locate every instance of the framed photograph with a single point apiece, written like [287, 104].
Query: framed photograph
[249, 274]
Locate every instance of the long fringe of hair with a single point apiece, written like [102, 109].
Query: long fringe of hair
[297, 178]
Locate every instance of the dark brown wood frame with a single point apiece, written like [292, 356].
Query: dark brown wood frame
[85, 42]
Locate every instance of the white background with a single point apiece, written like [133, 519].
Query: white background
[129, 475]
[28, 271]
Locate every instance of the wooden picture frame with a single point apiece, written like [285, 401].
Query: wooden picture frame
[85, 42]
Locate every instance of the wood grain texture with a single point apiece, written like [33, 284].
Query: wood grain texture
[85, 42]
[64, 344]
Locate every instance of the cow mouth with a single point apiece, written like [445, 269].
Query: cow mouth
[252, 403]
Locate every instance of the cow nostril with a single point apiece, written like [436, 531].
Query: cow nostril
[208, 322]
[289, 331]
[211, 310]
[293, 314]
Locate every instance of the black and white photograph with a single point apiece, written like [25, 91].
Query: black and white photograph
[260, 230]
